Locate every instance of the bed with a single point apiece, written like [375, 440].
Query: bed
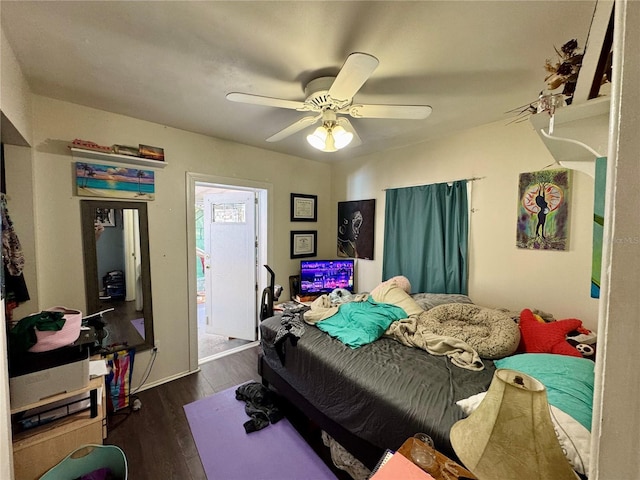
[376, 396]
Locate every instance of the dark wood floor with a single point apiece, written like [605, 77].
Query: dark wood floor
[157, 440]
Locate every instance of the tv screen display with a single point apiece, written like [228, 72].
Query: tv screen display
[318, 277]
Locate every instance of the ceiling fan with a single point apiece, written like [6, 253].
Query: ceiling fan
[329, 97]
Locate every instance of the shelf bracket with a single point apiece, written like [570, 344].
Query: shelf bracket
[587, 167]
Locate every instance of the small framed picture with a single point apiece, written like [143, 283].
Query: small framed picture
[304, 208]
[105, 217]
[303, 243]
[154, 153]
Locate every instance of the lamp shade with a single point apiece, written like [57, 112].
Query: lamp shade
[510, 435]
[318, 138]
[341, 136]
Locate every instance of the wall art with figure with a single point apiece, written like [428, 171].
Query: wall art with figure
[543, 210]
[355, 229]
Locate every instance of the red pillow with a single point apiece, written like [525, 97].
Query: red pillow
[537, 337]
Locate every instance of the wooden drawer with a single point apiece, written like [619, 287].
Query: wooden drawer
[33, 458]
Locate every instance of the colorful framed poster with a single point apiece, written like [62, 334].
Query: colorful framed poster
[543, 210]
[106, 181]
[355, 228]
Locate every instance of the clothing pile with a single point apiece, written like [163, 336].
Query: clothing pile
[291, 327]
[261, 404]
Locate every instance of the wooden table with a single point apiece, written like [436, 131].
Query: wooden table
[456, 470]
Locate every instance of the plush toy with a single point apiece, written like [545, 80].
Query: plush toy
[536, 337]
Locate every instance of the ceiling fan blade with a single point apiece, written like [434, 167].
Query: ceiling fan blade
[411, 112]
[265, 101]
[301, 124]
[356, 70]
[346, 124]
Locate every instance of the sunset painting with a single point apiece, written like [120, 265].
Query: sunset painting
[107, 181]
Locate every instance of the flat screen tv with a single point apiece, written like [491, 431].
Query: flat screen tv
[318, 277]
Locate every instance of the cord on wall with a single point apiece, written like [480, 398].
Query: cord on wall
[145, 376]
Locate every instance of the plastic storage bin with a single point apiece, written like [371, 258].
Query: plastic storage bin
[87, 459]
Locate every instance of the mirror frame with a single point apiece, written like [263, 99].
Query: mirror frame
[91, 281]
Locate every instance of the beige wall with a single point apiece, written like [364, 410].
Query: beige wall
[57, 211]
[15, 97]
[500, 275]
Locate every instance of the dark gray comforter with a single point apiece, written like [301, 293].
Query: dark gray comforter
[384, 392]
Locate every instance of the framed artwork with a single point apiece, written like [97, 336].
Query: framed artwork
[105, 217]
[543, 210]
[154, 153]
[304, 243]
[356, 228]
[304, 208]
[106, 181]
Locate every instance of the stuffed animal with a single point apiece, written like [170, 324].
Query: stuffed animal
[546, 337]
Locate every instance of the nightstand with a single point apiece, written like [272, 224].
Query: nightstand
[455, 470]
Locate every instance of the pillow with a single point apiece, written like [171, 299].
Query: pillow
[541, 337]
[575, 440]
[401, 281]
[568, 380]
[430, 300]
[393, 294]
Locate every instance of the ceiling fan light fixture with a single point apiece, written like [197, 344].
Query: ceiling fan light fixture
[318, 138]
[341, 137]
[329, 138]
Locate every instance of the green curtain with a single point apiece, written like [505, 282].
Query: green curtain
[425, 236]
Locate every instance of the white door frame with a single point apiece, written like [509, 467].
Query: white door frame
[264, 229]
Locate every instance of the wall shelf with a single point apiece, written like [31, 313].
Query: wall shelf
[113, 157]
[586, 123]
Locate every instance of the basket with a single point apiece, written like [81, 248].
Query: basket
[69, 333]
[87, 459]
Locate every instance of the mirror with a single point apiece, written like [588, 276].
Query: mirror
[115, 239]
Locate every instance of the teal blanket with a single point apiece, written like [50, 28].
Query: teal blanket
[359, 323]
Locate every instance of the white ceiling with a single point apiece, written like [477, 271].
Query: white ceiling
[173, 62]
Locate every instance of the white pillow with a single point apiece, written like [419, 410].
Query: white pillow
[574, 439]
[393, 294]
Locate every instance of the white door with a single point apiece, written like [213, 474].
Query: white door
[230, 264]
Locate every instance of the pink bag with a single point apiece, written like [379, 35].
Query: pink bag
[69, 333]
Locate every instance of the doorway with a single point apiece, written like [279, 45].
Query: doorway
[228, 238]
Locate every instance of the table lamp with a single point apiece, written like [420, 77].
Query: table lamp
[510, 435]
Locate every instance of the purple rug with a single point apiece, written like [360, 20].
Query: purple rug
[276, 452]
[138, 323]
